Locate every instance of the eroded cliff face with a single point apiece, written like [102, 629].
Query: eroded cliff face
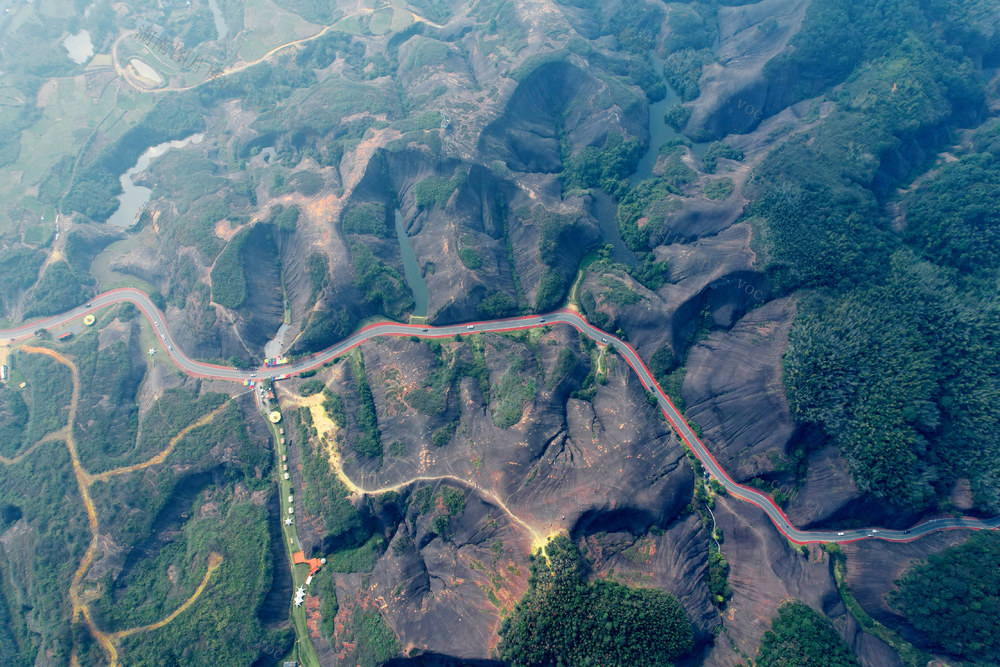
[876, 566]
[562, 101]
[766, 570]
[606, 469]
[739, 90]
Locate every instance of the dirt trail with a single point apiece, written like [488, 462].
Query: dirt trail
[536, 535]
[84, 480]
[55, 435]
[214, 561]
[326, 430]
[162, 456]
[121, 71]
[79, 606]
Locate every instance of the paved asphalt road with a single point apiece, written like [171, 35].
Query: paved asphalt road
[762, 500]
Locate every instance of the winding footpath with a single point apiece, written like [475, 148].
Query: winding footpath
[573, 319]
[78, 599]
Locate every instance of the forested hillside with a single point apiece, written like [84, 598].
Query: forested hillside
[954, 598]
[563, 619]
[891, 351]
[800, 637]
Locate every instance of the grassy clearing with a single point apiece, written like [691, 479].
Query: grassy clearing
[381, 22]
[271, 26]
[108, 278]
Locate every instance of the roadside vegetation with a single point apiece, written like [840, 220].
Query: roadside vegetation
[324, 495]
[908, 653]
[58, 290]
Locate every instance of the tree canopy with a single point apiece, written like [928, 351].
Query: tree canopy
[801, 637]
[564, 620]
[954, 598]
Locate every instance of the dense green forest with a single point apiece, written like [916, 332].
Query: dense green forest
[564, 620]
[606, 167]
[222, 626]
[652, 200]
[109, 381]
[954, 598]
[902, 377]
[39, 488]
[229, 280]
[59, 289]
[324, 327]
[891, 351]
[380, 285]
[34, 492]
[18, 270]
[801, 637]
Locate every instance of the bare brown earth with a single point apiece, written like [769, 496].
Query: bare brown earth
[765, 571]
[590, 467]
[736, 80]
[733, 390]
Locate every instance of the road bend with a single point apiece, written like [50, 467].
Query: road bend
[762, 500]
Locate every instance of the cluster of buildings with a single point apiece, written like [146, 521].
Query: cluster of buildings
[183, 57]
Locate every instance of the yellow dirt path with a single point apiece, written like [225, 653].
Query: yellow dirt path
[84, 480]
[214, 561]
[326, 428]
[79, 606]
[55, 435]
[162, 456]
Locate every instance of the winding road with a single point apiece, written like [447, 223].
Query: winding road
[573, 319]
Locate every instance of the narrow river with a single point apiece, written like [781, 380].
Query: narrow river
[605, 208]
[220, 21]
[411, 270]
[659, 134]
